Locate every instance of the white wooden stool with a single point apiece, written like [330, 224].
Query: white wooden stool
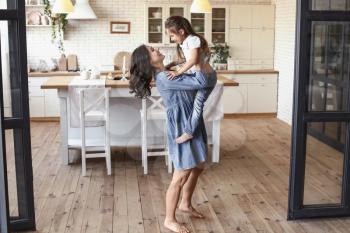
[95, 113]
[156, 111]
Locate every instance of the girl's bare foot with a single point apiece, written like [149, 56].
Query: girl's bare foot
[192, 211]
[175, 226]
[183, 138]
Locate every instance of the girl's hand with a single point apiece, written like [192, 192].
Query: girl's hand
[172, 74]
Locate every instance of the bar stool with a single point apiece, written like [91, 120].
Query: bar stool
[156, 111]
[94, 113]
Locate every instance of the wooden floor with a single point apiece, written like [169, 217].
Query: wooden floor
[245, 192]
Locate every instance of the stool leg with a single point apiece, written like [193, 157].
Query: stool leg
[82, 134]
[144, 136]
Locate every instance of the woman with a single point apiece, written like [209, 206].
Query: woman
[178, 95]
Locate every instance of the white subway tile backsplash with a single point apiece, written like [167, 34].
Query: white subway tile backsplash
[91, 39]
[284, 56]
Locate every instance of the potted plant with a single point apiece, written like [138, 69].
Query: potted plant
[58, 23]
[220, 54]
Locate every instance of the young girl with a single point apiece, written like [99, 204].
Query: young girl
[193, 50]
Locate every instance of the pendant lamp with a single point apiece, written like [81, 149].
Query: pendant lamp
[200, 6]
[62, 7]
[82, 10]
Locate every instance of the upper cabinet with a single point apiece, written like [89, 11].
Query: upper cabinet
[214, 27]
[156, 16]
[252, 16]
[240, 16]
[252, 36]
[263, 16]
[219, 25]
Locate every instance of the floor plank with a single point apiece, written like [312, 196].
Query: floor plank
[246, 192]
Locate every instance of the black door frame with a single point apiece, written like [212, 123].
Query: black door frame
[301, 116]
[19, 123]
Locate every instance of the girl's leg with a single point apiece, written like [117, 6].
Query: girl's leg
[172, 198]
[198, 105]
[197, 112]
[187, 193]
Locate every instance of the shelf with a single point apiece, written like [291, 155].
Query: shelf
[154, 32]
[155, 18]
[41, 5]
[198, 18]
[218, 18]
[31, 25]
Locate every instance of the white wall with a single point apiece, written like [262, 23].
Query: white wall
[5, 63]
[284, 56]
[91, 40]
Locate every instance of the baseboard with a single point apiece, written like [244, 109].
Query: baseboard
[45, 119]
[249, 115]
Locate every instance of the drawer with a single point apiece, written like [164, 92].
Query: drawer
[36, 91]
[262, 61]
[253, 78]
[36, 81]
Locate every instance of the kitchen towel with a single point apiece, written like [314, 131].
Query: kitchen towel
[213, 107]
[94, 101]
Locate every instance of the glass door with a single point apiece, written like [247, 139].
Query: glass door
[218, 25]
[16, 175]
[155, 25]
[198, 23]
[320, 160]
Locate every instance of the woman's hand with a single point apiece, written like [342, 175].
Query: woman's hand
[172, 74]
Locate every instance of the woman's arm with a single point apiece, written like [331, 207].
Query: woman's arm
[182, 82]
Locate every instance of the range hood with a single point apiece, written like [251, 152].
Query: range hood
[82, 10]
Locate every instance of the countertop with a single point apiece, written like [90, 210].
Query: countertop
[66, 73]
[62, 82]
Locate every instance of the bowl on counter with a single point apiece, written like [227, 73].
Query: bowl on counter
[157, 14]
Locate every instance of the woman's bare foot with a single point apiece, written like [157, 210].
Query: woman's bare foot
[175, 226]
[190, 210]
[183, 138]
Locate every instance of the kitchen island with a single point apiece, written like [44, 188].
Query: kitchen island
[125, 125]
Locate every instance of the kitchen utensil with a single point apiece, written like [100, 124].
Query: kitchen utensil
[72, 62]
[62, 63]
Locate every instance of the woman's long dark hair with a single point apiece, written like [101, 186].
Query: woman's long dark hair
[141, 72]
[175, 23]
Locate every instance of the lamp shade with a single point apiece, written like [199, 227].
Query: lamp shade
[200, 6]
[62, 7]
[82, 10]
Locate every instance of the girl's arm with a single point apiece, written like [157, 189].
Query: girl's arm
[182, 82]
[191, 62]
[175, 63]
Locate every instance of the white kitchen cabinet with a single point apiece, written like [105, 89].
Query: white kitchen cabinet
[263, 16]
[36, 106]
[240, 45]
[262, 43]
[240, 16]
[235, 99]
[262, 98]
[52, 105]
[156, 14]
[256, 93]
[42, 103]
[213, 27]
[252, 36]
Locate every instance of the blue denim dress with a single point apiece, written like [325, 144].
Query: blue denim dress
[179, 96]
